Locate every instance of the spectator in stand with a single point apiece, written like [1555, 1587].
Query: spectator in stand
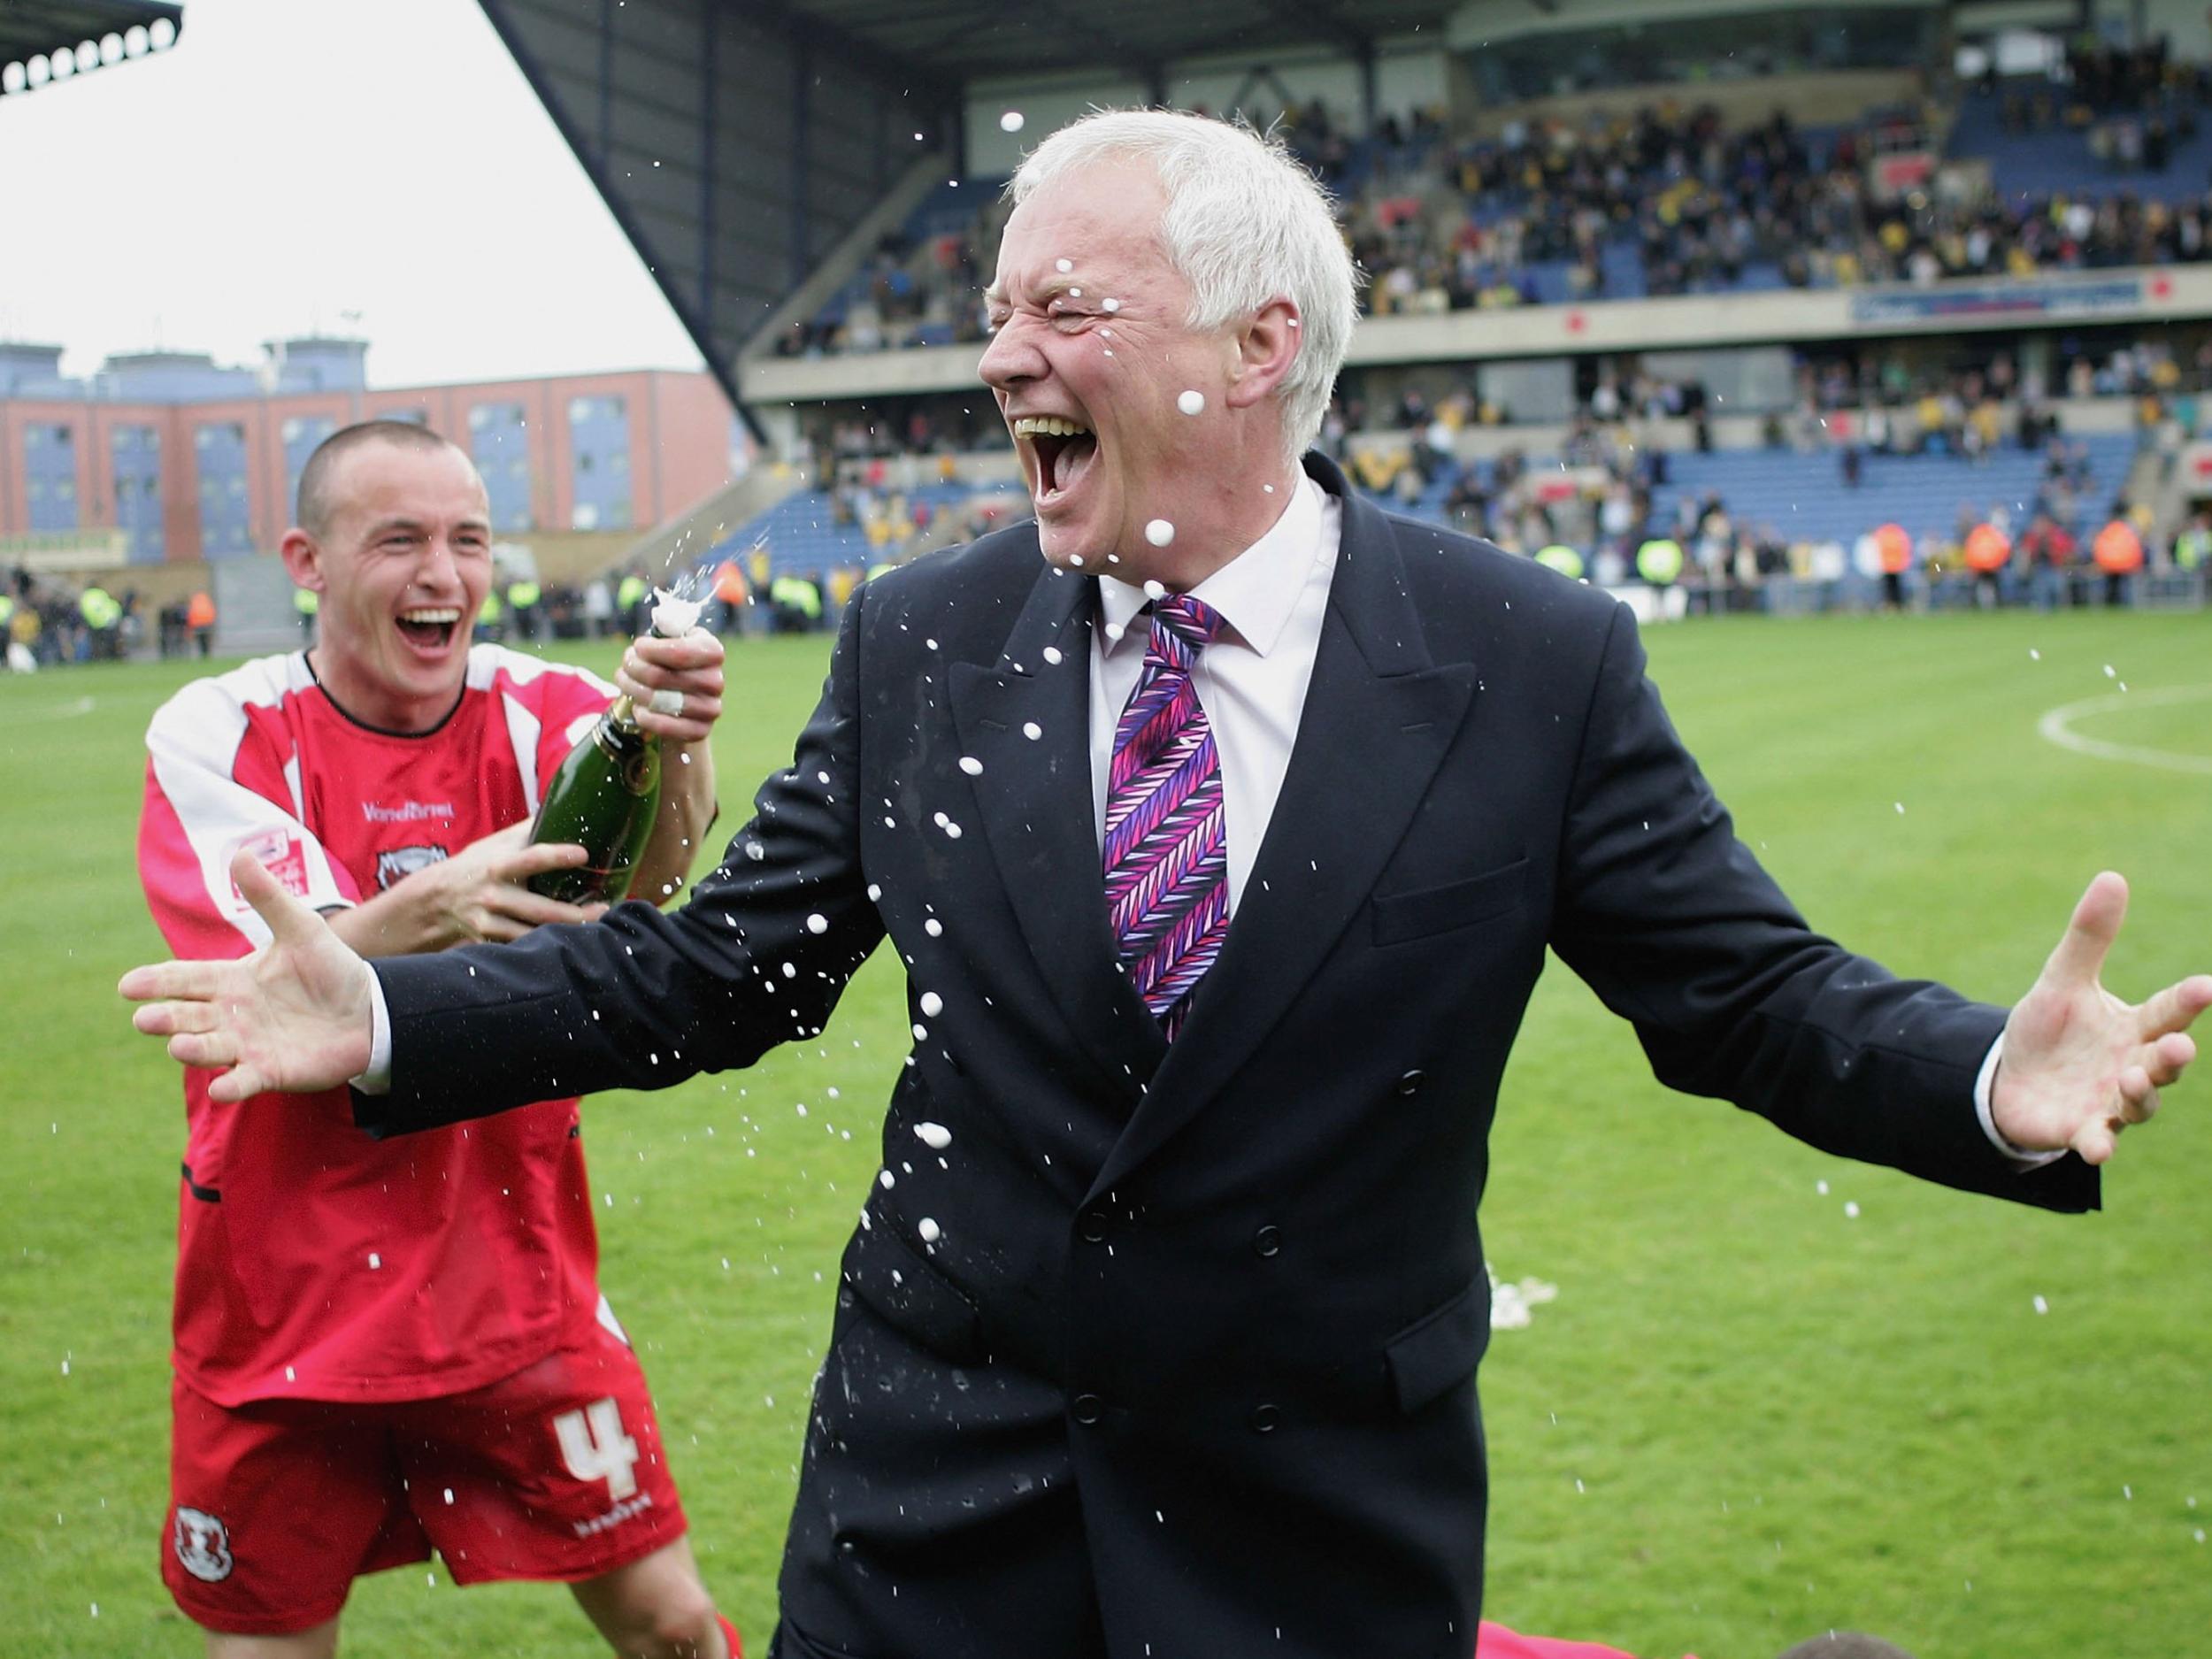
[2050, 550]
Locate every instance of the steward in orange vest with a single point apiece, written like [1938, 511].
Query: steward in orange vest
[2118, 551]
[1988, 551]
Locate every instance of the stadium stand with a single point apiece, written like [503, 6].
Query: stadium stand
[1620, 193]
[1805, 500]
[1661, 200]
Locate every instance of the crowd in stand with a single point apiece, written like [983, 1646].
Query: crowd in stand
[46, 621]
[2132, 104]
[1701, 204]
[2063, 548]
[1442, 228]
[1601, 499]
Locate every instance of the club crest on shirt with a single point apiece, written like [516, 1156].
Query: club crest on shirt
[281, 853]
[402, 862]
[203, 1545]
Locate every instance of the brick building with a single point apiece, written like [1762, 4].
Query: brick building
[169, 458]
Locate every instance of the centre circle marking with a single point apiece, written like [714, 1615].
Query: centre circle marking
[2057, 726]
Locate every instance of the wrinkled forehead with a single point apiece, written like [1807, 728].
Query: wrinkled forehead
[383, 481]
[1102, 220]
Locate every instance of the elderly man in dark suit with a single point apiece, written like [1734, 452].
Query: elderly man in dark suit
[1223, 841]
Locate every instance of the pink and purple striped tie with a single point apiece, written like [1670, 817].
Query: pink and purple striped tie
[1166, 857]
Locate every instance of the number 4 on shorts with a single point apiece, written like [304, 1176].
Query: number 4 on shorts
[594, 1447]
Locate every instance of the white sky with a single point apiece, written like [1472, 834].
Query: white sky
[289, 161]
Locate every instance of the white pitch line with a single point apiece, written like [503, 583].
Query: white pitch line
[2057, 728]
[62, 710]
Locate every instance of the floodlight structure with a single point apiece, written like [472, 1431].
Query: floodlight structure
[45, 43]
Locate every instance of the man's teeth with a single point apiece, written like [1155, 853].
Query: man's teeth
[431, 618]
[1048, 427]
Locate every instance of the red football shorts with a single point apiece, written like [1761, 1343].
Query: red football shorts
[277, 1506]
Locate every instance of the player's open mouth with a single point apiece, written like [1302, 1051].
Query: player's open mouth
[429, 627]
[1063, 451]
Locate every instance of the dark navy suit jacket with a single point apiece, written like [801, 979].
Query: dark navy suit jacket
[1173, 1351]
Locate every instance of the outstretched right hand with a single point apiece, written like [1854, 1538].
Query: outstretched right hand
[294, 1016]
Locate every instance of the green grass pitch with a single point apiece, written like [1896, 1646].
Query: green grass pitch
[1750, 1415]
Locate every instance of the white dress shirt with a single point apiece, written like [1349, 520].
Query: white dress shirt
[1252, 683]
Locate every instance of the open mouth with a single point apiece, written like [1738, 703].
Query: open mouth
[1065, 450]
[429, 627]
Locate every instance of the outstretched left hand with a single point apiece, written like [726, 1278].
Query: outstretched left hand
[2080, 1065]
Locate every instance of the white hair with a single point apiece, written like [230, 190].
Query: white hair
[1245, 224]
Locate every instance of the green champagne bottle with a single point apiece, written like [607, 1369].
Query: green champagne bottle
[607, 794]
[604, 799]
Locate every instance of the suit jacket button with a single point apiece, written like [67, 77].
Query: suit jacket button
[1264, 1418]
[1092, 1225]
[1087, 1408]
[1411, 1083]
[1268, 1240]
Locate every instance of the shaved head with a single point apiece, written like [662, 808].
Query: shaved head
[319, 478]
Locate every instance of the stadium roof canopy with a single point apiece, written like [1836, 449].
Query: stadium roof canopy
[45, 41]
[739, 142]
[961, 41]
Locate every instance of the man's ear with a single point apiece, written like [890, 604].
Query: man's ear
[302, 559]
[1267, 347]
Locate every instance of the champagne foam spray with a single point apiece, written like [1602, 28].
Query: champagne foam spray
[674, 616]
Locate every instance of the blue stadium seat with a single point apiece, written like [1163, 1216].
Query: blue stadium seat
[1804, 497]
[2056, 161]
[802, 536]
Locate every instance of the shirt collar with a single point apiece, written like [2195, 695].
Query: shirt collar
[1254, 593]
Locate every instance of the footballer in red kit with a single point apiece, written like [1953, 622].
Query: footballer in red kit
[401, 1346]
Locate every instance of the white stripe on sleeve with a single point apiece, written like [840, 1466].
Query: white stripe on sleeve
[194, 742]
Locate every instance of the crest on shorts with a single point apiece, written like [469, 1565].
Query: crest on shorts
[203, 1545]
[403, 862]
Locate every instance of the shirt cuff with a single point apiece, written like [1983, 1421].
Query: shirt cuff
[1984, 1084]
[376, 1079]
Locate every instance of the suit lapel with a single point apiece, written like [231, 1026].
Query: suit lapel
[1035, 798]
[1378, 719]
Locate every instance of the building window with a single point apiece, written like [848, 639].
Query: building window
[50, 467]
[599, 462]
[135, 460]
[226, 527]
[303, 435]
[499, 443]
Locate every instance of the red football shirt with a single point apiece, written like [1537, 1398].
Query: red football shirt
[313, 1262]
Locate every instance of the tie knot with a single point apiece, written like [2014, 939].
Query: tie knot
[1192, 621]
